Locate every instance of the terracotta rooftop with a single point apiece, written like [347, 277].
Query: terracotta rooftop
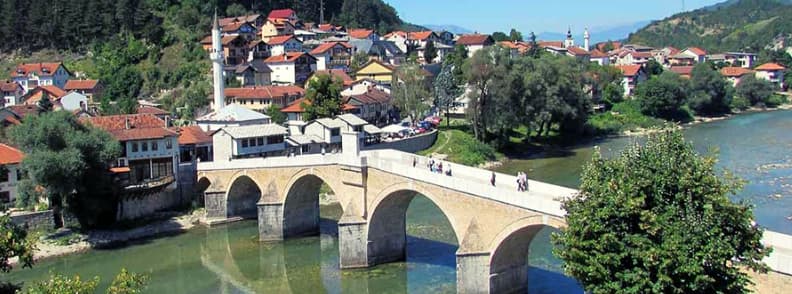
[596, 53]
[296, 106]
[402, 34]
[577, 51]
[327, 46]
[246, 18]
[735, 71]
[372, 96]
[35, 95]
[360, 33]
[288, 57]
[419, 36]
[23, 110]
[281, 13]
[279, 40]
[144, 109]
[193, 135]
[9, 86]
[475, 39]
[629, 70]
[557, 44]
[128, 127]
[40, 69]
[10, 155]
[80, 85]
[225, 40]
[682, 70]
[697, 51]
[770, 66]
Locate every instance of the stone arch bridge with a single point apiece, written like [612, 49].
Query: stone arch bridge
[494, 225]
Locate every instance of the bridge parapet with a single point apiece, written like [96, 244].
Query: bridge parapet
[780, 260]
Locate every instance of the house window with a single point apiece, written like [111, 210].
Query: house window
[260, 141]
[335, 132]
[306, 148]
[3, 174]
[244, 143]
[134, 147]
[252, 142]
[144, 146]
[168, 144]
[154, 146]
[19, 174]
[274, 140]
[5, 197]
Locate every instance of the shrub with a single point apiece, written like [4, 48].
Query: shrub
[775, 100]
[740, 103]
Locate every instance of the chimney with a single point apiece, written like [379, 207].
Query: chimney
[126, 123]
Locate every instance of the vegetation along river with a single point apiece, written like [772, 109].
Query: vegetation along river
[229, 259]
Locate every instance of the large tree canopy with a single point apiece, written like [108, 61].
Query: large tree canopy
[658, 219]
[323, 97]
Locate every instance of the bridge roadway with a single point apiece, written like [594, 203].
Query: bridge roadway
[494, 225]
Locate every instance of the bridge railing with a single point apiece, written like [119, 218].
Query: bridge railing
[780, 259]
[540, 197]
[281, 161]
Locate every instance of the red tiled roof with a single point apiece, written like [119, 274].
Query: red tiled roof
[80, 85]
[577, 51]
[247, 18]
[508, 44]
[23, 110]
[37, 68]
[372, 96]
[144, 109]
[232, 27]
[288, 57]
[596, 53]
[360, 33]
[326, 27]
[672, 51]
[629, 70]
[10, 155]
[278, 40]
[225, 40]
[735, 71]
[641, 54]
[296, 106]
[337, 73]
[601, 46]
[265, 92]
[770, 66]
[697, 51]
[281, 13]
[327, 46]
[558, 44]
[682, 70]
[193, 135]
[419, 36]
[402, 34]
[474, 40]
[35, 95]
[9, 86]
[141, 126]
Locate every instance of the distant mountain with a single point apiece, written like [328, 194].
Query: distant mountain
[451, 28]
[601, 34]
[733, 25]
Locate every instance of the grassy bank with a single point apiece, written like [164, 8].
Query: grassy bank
[623, 117]
[459, 145]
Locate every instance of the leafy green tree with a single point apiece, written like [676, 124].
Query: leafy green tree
[515, 35]
[500, 36]
[712, 93]
[555, 95]
[235, 9]
[653, 68]
[479, 69]
[607, 81]
[70, 160]
[756, 91]
[430, 52]
[534, 51]
[359, 59]
[446, 90]
[410, 93]
[14, 242]
[45, 104]
[128, 283]
[457, 59]
[275, 114]
[323, 95]
[663, 96]
[124, 283]
[658, 219]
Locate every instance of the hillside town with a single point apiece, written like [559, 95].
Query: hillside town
[271, 77]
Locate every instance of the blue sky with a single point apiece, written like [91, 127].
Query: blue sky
[539, 15]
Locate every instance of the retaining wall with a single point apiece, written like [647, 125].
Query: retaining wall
[409, 145]
[142, 206]
[34, 221]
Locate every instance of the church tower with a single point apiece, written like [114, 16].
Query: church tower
[569, 42]
[586, 40]
[216, 55]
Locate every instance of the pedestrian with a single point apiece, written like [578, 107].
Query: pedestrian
[519, 182]
[415, 161]
[323, 150]
[440, 168]
[525, 182]
[431, 163]
[448, 170]
[492, 179]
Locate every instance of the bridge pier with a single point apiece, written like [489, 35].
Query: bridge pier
[215, 203]
[352, 243]
[473, 274]
[270, 221]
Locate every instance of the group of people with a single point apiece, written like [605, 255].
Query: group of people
[522, 182]
[435, 166]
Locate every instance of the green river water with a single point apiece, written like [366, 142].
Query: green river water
[229, 259]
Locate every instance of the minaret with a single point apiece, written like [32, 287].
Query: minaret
[216, 55]
[586, 40]
[569, 40]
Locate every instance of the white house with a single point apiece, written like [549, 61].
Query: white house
[734, 74]
[32, 75]
[399, 38]
[231, 115]
[332, 55]
[291, 68]
[281, 44]
[74, 101]
[599, 57]
[363, 34]
[328, 130]
[12, 92]
[632, 75]
[738, 59]
[772, 72]
[10, 174]
[689, 56]
[249, 141]
[475, 42]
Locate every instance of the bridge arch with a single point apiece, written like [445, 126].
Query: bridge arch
[387, 224]
[301, 213]
[508, 265]
[242, 195]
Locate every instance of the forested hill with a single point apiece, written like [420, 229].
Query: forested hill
[73, 24]
[730, 26]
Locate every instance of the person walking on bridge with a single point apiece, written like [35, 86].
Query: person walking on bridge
[492, 179]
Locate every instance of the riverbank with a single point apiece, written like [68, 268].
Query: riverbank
[65, 241]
